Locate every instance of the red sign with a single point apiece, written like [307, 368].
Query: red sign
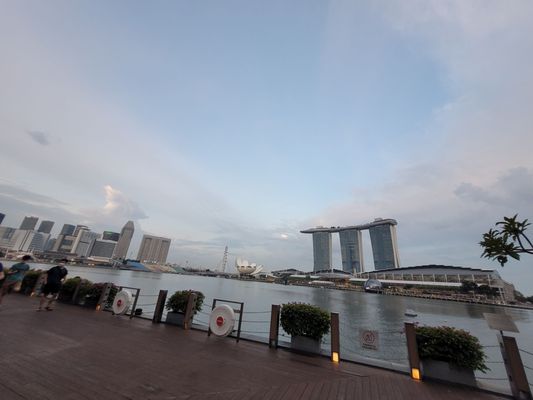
[220, 321]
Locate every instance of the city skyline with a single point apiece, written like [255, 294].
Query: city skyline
[293, 116]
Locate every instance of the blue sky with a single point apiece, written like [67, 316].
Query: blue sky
[241, 122]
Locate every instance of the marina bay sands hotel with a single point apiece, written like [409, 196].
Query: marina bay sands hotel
[382, 237]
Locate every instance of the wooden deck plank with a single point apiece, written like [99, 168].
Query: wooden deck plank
[96, 355]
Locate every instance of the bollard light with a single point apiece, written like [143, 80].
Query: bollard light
[415, 373]
[98, 307]
[335, 357]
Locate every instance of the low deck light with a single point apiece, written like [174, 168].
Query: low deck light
[415, 373]
[335, 357]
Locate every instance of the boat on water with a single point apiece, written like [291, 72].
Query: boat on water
[410, 313]
[373, 286]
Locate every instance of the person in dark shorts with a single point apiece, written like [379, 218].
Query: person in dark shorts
[55, 277]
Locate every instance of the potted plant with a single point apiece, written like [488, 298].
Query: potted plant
[90, 293]
[306, 324]
[450, 354]
[68, 288]
[177, 305]
[30, 280]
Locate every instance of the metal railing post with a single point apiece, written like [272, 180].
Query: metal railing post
[75, 294]
[103, 296]
[412, 351]
[189, 311]
[160, 306]
[335, 338]
[274, 326]
[514, 367]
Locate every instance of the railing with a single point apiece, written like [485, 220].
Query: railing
[393, 348]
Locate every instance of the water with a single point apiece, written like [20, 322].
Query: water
[357, 310]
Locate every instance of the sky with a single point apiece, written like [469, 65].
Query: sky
[240, 123]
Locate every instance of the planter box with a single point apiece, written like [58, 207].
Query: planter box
[443, 371]
[175, 318]
[305, 344]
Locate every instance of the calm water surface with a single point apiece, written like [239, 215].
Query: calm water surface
[357, 310]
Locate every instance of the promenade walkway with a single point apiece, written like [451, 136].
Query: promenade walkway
[76, 353]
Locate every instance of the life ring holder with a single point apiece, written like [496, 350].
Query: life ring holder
[135, 296]
[238, 311]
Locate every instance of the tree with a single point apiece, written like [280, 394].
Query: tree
[507, 240]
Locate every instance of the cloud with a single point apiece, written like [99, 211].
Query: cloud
[117, 204]
[40, 137]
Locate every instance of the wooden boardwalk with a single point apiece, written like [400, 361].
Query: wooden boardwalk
[76, 353]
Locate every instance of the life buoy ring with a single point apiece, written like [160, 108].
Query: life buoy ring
[222, 320]
[122, 302]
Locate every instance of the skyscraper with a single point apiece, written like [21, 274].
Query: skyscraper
[67, 229]
[153, 250]
[46, 226]
[2, 216]
[108, 235]
[121, 251]
[102, 249]
[351, 250]
[28, 224]
[322, 251]
[384, 246]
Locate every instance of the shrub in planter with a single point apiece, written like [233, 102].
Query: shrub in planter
[68, 288]
[93, 293]
[177, 305]
[29, 281]
[458, 352]
[306, 324]
[178, 301]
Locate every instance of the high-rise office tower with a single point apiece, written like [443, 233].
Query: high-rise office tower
[28, 224]
[67, 229]
[65, 239]
[6, 234]
[322, 251]
[108, 235]
[384, 246]
[83, 242]
[351, 250]
[79, 228]
[2, 216]
[46, 226]
[27, 240]
[153, 250]
[121, 251]
[102, 248]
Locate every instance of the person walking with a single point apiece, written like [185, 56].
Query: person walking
[14, 276]
[55, 277]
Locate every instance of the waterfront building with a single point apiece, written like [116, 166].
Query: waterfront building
[439, 276]
[65, 239]
[50, 244]
[67, 229]
[322, 251]
[382, 236]
[121, 251]
[245, 268]
[64, 243]
[384, 246]
[102, 249]
[6, 234]
[83, 242]
[80, 228]
[29, 241]
[29, 223]
[352, 250]
[46, 226]
[2, 216]
[108, 235]
[153, 249]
